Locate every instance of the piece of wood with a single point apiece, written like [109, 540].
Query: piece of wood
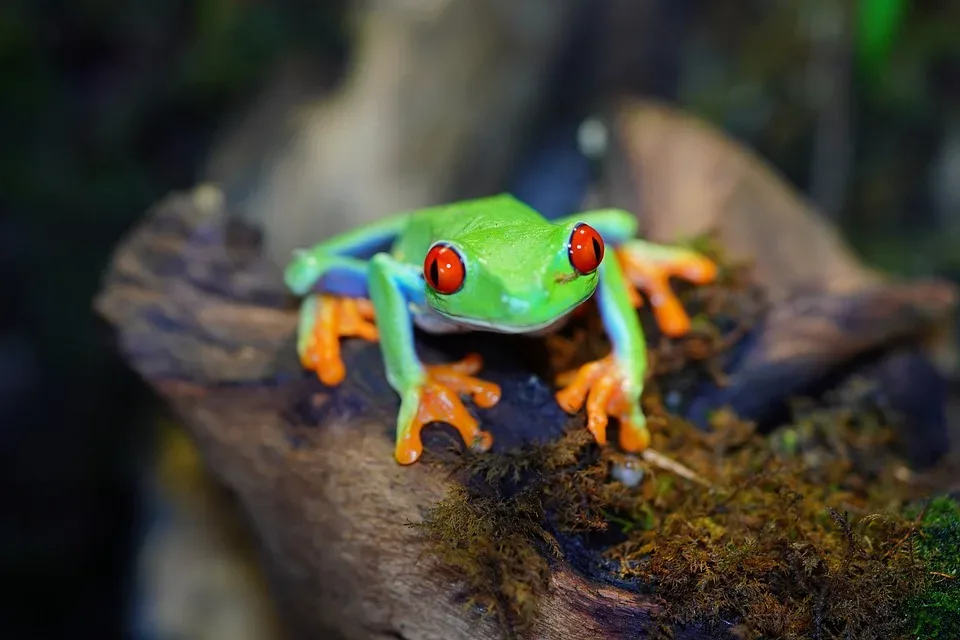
[203, 317]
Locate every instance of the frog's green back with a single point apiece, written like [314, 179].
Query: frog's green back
[500, 215]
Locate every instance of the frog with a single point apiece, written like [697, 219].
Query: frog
[491, 264]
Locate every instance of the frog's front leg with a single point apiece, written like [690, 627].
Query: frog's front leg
[427, 393]
[612, 386]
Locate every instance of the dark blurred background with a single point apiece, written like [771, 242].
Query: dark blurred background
[109, 527]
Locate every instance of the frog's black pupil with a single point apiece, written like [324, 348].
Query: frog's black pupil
[596, 250]
[434, 273]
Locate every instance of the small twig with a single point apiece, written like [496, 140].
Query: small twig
[667, 464]
[943, 575]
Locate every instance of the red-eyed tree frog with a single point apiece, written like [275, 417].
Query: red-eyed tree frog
[489, 264]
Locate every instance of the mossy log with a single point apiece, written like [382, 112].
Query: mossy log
[205, 320]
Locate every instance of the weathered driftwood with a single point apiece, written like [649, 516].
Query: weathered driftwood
[205, 320]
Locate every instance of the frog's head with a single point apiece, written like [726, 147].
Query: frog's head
[513, 278]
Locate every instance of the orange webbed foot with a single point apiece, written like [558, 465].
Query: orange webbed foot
[649, 267]
[606, 392]
[334, 318]
[438, 400]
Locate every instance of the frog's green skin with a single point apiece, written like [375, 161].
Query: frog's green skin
[519, 279]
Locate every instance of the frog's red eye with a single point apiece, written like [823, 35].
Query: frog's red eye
[586, 249]
[443, 269]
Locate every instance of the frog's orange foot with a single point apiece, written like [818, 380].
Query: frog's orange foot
[649, 268]
[439, 401]
[336, 317]
[605, 391]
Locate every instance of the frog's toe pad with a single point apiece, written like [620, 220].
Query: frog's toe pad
[600, 386]
[651, 273]
[336, 318]
[459, 377]
[440, 402]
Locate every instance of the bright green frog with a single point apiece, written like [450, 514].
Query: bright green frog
[490, 264]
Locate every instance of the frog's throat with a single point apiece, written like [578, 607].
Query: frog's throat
[538, 328]
[496, 327]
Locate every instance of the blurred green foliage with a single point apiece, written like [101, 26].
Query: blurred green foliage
[114, 104]
[878, 23]
[936, 612]
[753, 71]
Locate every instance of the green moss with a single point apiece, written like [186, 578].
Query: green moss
[935, 613]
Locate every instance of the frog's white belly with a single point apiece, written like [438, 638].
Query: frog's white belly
[432, 322]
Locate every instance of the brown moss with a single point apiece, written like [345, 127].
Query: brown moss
[496, 546]
[779, 552]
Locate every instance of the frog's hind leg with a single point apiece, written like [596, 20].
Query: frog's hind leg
[324, 320]
[648, 266]
[427, 393]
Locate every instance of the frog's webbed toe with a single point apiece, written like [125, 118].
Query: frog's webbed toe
[606, 392]
[649, 267]
[437, 399]
[325, 319]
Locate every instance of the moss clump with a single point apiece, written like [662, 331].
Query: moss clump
[496, 545]
[935, 613]
[784, 545]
